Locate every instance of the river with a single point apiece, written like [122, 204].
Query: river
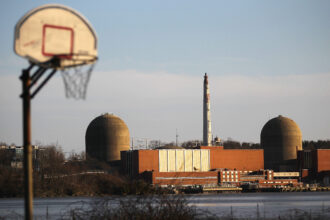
[240, 205]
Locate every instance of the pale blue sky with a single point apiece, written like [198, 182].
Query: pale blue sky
[264, 58]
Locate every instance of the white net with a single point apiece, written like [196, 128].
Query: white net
[76, 80]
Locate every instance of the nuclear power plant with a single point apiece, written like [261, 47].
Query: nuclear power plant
[281, 139]
[280, 163]
[106, 136]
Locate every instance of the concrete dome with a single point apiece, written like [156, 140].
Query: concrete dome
[106, 136]
[281, 138]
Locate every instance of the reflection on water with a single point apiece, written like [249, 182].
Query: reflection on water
[265, 205]
[245, 205]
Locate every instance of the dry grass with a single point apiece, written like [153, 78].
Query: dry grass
[163, 207]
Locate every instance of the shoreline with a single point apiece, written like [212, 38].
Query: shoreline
[192, 192]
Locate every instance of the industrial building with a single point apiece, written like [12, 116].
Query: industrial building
[281, 161]
[13, 156]
[203, 159]
[314, 165]
[106, 136]
[207, 166]
[215, 166]
[281, 139]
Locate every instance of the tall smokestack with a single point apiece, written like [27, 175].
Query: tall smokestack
[207, 134]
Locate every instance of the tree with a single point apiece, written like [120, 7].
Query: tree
[6, 156]
[49, 161]
[191, 144]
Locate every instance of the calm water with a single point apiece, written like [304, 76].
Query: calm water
[245, 205]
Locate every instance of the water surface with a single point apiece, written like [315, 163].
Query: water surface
[240, 205]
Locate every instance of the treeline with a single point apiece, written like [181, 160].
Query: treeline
[312, 145]
[307, 145]
[54, 176]
[228, 144]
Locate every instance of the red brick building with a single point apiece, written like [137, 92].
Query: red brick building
[239, 159]
[218, 166]
[322, 160]
[189, 167]
[138, 161]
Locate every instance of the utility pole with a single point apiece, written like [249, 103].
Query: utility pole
[28, 81]
[28, 181]
[176, 137]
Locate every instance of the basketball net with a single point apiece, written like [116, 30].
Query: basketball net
[76, 80]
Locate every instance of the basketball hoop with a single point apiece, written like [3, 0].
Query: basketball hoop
[75, 71]
[52, 37]
[76, 76]
[68, 45]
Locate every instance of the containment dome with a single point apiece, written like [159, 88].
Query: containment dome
[106, 136]
[281, 139]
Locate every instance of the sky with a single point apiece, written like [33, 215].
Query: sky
[263, 58]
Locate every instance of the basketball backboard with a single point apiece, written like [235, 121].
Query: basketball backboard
[54, 30]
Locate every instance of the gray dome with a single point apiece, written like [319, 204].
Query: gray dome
[281, 138]
[106, 136]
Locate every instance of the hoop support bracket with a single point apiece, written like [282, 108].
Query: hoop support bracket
[34, 79]
[43, 83]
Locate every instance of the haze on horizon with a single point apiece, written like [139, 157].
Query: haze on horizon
[263, 59]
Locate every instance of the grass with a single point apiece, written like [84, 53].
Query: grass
[170, 207]
[173, 207]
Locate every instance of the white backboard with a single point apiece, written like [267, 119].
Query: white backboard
[55, 30]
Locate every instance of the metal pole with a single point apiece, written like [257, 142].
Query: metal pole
[28, 181]
[176, 137]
